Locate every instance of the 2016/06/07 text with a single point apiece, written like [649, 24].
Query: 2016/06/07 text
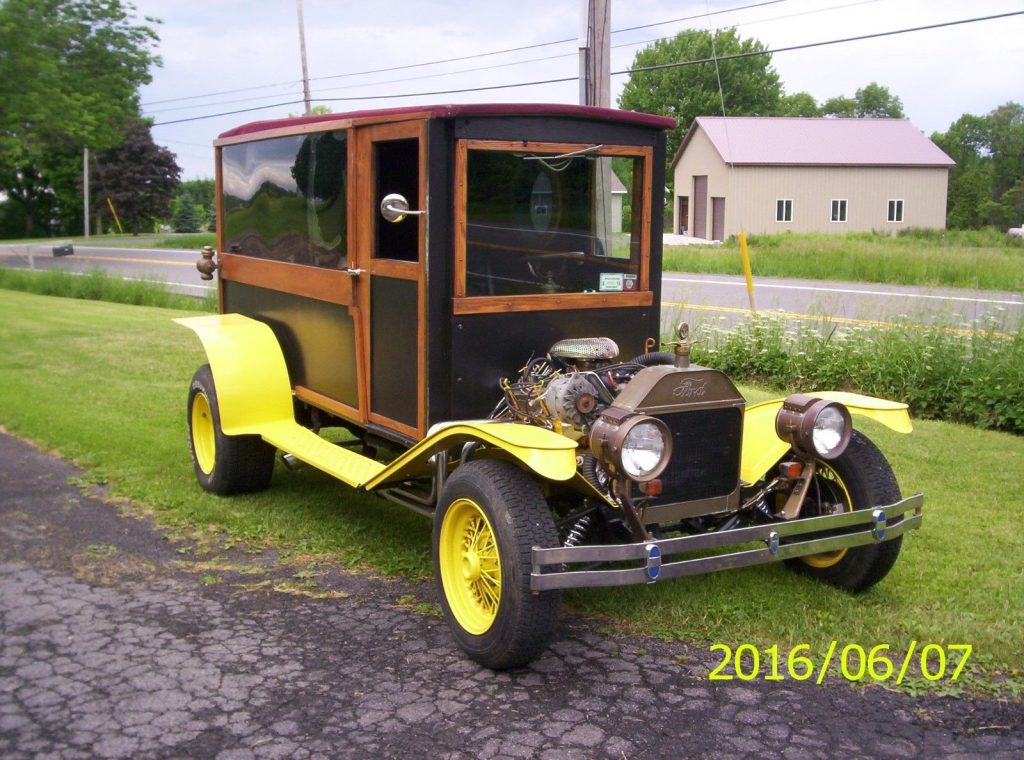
[856, 663]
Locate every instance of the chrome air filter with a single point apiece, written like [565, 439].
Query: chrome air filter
[585, 350]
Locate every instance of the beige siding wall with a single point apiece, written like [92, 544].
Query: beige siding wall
[751, 193]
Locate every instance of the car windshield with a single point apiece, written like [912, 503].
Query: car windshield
[565, 220]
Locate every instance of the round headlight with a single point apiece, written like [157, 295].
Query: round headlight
[643, 449]
[631, 444]
[830, 431]
[814, 427]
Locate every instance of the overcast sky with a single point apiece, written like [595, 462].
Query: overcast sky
[244, 54]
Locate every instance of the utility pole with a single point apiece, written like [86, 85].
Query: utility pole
[595, 53]
[85, 186]
[305, 69]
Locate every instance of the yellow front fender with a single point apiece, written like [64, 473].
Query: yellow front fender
[762, 447]
[548, 454]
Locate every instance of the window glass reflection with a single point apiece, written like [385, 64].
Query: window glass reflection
[550, 223]
[284, 199]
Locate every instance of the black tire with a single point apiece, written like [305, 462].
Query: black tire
[224, 464]
[860, 478]
[500, 625]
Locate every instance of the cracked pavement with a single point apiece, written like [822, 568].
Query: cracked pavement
[113, 647]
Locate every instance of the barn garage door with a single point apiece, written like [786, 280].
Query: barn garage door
[700, 206]
[718, 218]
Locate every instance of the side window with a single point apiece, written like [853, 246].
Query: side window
[784, 210]
[285, 199]
[560, 220]
[895, 211]
[396, 168]
[838, 210]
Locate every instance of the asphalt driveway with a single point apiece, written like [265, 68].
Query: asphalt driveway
[119, 641]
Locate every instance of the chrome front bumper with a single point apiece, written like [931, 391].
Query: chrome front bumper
[780, 541]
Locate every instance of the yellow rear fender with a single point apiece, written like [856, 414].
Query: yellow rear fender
[255, 398]
[253, 389]
[762, 447]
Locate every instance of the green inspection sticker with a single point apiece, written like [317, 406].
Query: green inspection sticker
[610, 281]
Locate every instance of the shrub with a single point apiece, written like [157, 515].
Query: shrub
[98, 285]
[973, 377]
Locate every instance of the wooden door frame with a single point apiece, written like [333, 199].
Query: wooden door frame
[363, 219]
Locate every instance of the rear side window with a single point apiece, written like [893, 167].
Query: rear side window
[284, 199]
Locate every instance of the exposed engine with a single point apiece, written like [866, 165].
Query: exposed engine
[572, 385]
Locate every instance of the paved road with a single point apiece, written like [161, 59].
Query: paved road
[709, 298]
[695, 298]
[176, 268]
[114, 647]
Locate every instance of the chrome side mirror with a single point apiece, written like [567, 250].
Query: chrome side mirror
[394, 208]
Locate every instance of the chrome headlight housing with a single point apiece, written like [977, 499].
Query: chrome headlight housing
[814, 427]
[628, 443]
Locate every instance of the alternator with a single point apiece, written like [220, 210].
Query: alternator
[572, 399]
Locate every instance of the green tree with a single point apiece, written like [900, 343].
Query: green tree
[69, 77]
[184, 217]
[139, 176]
[871, 101]
[798, 104]
[202, 192]
[750, 86]
[986, 187]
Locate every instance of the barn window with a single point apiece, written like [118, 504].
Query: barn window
[838, 210]
[784, 210]
[895, 210]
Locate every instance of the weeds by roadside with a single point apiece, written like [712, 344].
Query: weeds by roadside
[973, 378]
[97, 285]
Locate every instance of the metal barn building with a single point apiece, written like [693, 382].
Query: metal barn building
[764, 175]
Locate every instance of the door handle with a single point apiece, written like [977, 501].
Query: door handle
[395, 208]
[353, 272]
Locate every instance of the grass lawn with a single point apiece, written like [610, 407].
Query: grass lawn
[984, 260]
[105, 385]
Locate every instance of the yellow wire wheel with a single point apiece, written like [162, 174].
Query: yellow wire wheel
[490, 515]
[828, 476]
[860, 478]
[204, 434]
[470, 566]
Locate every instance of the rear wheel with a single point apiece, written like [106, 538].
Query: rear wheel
[489, 518]
[860, 478]
[224, 464]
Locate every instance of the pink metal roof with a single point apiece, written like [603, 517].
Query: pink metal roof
[809, 141]
[469, 110]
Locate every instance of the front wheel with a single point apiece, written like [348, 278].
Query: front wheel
[489, 518]
[224, 464]
[860, 478]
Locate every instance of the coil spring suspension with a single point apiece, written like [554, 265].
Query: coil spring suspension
[578, 531]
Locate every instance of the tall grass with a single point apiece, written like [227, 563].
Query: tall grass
[974, 378]
[98, 285]
[977, 259]
[193, 240]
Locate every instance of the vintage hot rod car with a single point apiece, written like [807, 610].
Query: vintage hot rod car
[429, 278]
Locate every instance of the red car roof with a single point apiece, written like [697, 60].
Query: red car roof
[469, 110]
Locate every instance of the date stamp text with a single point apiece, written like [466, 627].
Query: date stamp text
[853, 662]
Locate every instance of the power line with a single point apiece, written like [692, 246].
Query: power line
[807, 45]
[422, 64]
[656, 67]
